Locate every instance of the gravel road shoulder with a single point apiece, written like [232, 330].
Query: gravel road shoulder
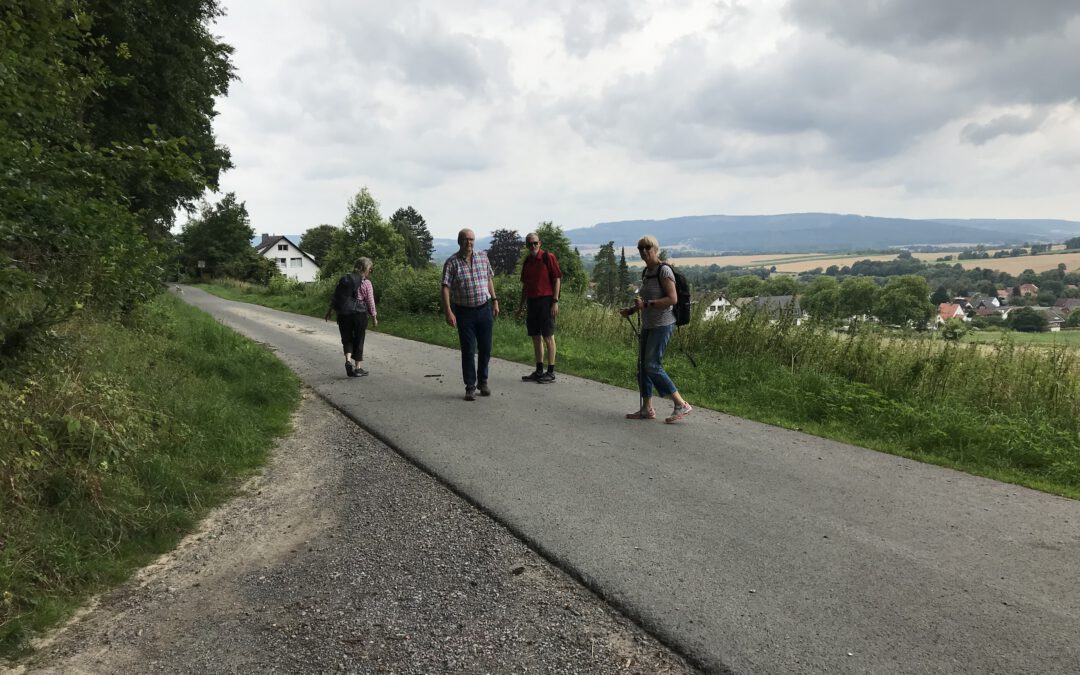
[343, 557]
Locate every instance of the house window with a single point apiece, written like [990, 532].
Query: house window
[283, 247]
[281, 261]
[296, 262]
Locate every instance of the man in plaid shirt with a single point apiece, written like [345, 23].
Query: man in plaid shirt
[468, 299]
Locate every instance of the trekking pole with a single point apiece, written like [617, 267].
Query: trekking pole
[640, 376]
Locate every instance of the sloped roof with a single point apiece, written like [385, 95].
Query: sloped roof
[265, 245]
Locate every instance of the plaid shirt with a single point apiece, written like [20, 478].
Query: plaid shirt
[468, 284]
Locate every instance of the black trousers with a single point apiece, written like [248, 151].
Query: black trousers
[353, 328]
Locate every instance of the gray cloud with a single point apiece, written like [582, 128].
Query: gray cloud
[831, 101]
[878, 22]
[1005, 125]
[591, 25]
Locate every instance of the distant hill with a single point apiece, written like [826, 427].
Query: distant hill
[798, 232]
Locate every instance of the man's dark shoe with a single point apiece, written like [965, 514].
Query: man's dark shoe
[532, 377]
[349, 369]
[470, 393]
[546, 377]
[484, 389]
[360, 372]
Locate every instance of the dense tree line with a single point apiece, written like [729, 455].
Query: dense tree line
[105, 130]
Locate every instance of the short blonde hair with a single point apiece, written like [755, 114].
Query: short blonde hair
[363, 265]
[649, 240]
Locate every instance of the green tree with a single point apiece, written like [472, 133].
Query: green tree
[625, 293]
[822, 299]
[166, 70]
[857, 296]
[781, 285]
[905, 299]
[418, 242]
[940, 296]
[505, 250]
[1072, 243]
[1027, 320]
[606, 275]
[219, 237]
[1074, 319]
[318, 241]
[746, 286]
[74, 222]
[554, 241]
[954, 329]
[365, 233]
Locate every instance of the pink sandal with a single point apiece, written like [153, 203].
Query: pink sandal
[643, 414]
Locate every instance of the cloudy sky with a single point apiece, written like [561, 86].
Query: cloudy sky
[502, 114]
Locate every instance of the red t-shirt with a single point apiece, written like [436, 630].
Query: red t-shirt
[537, 274]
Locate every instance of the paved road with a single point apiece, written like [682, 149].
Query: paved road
[750, 548]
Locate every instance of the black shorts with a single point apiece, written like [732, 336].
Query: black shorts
[538, 320]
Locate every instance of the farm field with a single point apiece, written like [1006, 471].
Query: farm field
[803, 262]
[1065, 338]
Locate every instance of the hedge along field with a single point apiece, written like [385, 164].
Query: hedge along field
[116, 440]
[1010, 412]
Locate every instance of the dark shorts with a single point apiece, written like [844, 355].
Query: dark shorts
[538, 319]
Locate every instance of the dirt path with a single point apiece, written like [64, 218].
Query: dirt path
[343, 557]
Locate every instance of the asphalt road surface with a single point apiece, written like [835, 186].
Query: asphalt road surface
[747, 547]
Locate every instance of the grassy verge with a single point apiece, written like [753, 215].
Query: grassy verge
[1005, 411]
[1064, 338]
[116, 440]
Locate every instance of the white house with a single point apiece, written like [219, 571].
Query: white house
[291, 261]
[720, 307]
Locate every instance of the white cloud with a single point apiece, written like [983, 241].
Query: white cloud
[504, 114]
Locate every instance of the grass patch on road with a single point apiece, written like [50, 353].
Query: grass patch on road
[117, 438]
[1009, 412]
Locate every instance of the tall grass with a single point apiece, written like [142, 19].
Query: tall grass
[1006, 411]
[115, 441]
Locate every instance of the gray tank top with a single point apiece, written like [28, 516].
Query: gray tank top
[654, 317]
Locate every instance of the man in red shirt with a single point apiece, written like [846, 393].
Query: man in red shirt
[541, 281]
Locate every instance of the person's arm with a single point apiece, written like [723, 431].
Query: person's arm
[369, 300]
[450, 318]
[494, 298]
[555, 298]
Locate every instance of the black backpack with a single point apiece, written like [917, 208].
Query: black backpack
[345, 301]
[682, 294]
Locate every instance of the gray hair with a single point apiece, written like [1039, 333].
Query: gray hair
[363, 265]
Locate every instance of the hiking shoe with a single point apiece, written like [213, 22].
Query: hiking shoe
[349, 369]
[484, 389]
[534, 376]
[679, 412]
[360, 372]
[643, 414]
[546, 377]
[470, 393]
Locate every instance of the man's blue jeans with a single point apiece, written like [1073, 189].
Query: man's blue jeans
[653, 343]
[474, 333]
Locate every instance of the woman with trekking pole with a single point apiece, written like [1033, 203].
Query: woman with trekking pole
[654, 303]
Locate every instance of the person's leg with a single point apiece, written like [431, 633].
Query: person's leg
[358, 349]
[652, 363]
[344, 326]
[549, 340]
[645, 410]
[484, 324]
[538, 350]
[466, 325]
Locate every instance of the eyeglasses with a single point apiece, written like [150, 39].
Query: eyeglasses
[532, 243]
[646, 247]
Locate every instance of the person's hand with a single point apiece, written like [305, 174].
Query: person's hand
[327, 317]
[627, 311]
[520, 312]
[554, 310]
[451, 320]
[495, 310]
[375, 321]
